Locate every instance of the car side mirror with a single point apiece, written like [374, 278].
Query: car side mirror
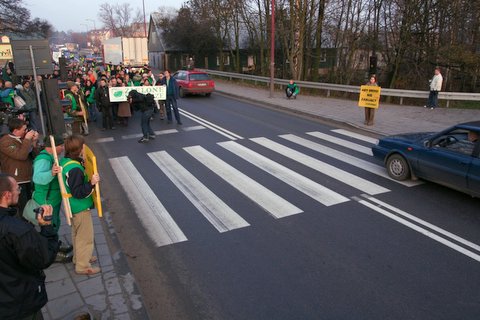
[427, 143]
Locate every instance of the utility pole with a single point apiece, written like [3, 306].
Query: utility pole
[144, 19]
[272, 50]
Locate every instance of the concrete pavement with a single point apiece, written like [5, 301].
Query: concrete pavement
[389, 118]
[111, 294]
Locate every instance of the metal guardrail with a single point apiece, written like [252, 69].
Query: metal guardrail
[448, 96]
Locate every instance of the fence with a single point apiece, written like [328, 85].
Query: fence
[329, 87]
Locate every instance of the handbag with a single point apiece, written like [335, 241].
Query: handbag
[19, 102]
[28, 212]
[31, 204]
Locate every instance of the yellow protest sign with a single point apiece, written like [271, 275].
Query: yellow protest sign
[91, 169]
[369, 97]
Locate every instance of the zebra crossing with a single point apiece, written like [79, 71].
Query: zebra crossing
[162, 228]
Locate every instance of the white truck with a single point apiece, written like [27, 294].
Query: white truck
[128, 51]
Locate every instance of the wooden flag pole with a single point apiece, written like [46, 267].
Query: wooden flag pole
[66, 202]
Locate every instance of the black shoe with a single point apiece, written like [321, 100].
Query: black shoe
[65, 248]
[63, 257]
[143, 140]
[152, 136]
[169, 121]
[113, 128]
[179, 123]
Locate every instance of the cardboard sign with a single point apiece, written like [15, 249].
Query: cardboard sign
[90, 169]
[369, 97]
[6, 51]
[119, 94]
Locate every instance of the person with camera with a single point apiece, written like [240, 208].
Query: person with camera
[17, 151]
[25, 254]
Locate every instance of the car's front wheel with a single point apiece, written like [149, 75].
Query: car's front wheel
[397, 167]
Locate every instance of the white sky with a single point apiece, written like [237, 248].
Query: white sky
[73, 15]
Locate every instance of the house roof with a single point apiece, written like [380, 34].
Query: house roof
[155, 26]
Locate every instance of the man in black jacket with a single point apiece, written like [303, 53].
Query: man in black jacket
[24, 254]
[145, 104]
[102, 98]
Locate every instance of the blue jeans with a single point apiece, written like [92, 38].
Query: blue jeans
[145, 122]
[433, 99]
[169, 104]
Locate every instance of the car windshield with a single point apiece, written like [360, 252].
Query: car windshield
[199, 77]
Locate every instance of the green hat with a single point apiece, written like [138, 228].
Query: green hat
[58, 140]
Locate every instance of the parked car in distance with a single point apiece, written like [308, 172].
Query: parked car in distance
[194, 82]
[450, 157]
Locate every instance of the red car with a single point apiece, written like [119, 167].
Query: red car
[194, 82]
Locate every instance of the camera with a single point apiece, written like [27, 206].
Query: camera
[40, 211]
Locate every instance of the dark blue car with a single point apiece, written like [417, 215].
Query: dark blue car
[450, 157]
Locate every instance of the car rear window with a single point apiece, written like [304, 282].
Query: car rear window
[199, 76]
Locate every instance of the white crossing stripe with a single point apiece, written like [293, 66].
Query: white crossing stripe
[224, 132]
[221, 216]
[269, 201]
[102, 140]
[347, 158]
[342, 142]
[322, 167]
[356, 136]
[309, 187]
[159, 225]
[158, 133]
[193, 128]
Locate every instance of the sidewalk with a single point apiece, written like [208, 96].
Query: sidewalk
[111, 294]
[389, 118]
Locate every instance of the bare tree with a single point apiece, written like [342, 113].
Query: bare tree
[14, 17]
[119, 19]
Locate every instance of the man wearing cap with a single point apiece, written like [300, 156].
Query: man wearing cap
[47, 189]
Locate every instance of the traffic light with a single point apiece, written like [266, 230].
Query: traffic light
[373, 65]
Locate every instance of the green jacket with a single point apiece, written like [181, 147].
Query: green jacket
[45, 184]
[76, 205]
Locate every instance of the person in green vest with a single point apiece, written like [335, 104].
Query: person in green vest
[292, 90]
[80, 189]
[47, 189]
[75, 109]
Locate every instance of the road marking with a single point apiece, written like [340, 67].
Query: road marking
[102, 140]
[221, 216]
[322, 167]
[356, 136]
[342, 142]
[269, 201]
[224, 132]
[377, 206]
[193, 128]
[347, 158]
[158, 223]
[309, 187]
[157, 133]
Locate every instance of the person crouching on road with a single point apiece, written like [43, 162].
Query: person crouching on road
[80, 191]
[145, 104]
[25, 253]
[370, 112]
[292, 90]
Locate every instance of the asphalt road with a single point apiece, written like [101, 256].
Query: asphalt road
[245, 212]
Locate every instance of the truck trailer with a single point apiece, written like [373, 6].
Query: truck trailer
[126, 51]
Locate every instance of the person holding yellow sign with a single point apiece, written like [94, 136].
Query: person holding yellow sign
[79, 190]
[370, 112]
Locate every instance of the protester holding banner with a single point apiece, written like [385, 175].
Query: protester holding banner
[47, 189]
[80, 190]
[370, 112]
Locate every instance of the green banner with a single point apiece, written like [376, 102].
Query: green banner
[119, 94]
